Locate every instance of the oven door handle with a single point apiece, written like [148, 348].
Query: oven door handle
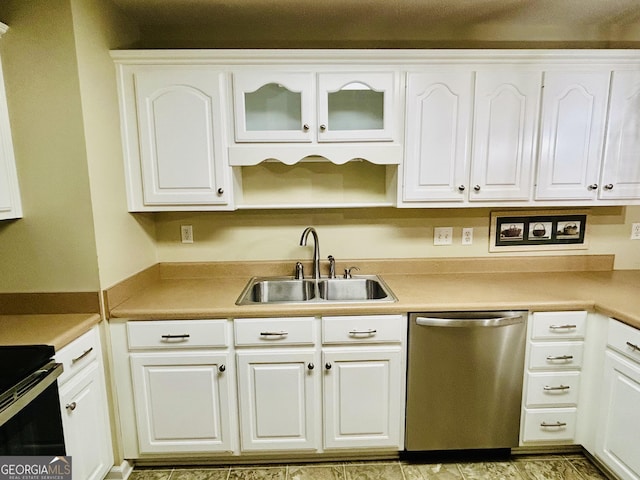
[19, 396]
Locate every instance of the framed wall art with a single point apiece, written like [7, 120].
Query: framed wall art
[538, 230]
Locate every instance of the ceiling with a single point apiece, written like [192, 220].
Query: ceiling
[380, 23]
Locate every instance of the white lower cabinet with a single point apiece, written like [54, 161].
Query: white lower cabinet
[552, 378]
[182, 401]
[83, 401]
[619, 424]
[278, 393]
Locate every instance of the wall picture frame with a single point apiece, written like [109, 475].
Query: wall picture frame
[538, 230]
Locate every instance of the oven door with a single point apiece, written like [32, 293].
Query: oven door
[30, 418]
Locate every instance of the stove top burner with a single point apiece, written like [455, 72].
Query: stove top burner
[18, 361]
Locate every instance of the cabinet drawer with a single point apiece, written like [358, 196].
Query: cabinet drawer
[625, 339]
[363, 329]
[554, 425]
[553, 388]
[549, 325]
[177, 334]
[274, 331]
[78, 354]
[556, 355]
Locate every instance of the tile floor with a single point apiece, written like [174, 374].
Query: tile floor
[534, 467]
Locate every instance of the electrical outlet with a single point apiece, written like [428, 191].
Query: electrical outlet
[635, 231]
[443, 235]
[186, 233]
[467, 236]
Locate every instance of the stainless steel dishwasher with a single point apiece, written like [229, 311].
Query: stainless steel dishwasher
[464, 380]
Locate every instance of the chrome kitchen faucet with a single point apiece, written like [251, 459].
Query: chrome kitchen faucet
[316, 249]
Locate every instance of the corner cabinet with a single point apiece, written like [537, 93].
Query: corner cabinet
[10, 203]
[617, 441]
[174, 137]
[85, 411]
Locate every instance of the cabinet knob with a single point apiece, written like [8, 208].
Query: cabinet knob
[220, 191]
[71, 406]
[593, 186]
[323, 127]
[477, 188]
[306, 127]
[461, 188]
[311, 366]
[222, 368]
[608, 186]
[327, 366]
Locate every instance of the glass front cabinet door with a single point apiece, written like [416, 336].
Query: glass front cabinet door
[303, 107]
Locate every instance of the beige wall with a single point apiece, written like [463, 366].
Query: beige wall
[365, 233]
[125, 243]
[53, 247]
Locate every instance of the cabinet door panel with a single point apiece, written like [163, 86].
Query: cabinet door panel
[617, 442]
[182, 402]
[573, 122]
[362, 400]
[505, 122]
[277, 393]
[180, 135]
[437, 136]
[621, 168]
[87, 433]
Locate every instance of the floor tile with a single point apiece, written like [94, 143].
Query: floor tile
[432, 471]
[586, 469]
[311, 472]
[151, 474]
[258, 473]
[200, 474]
[374, 471]
[547, 469]
[490, 471]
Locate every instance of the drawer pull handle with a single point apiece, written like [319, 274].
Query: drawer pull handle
[633, 347]
[547, 388]
[370, 331]
[274, 334]
[556, 424]
[71, 406]
[552, 358]
[84, 354]
[562, 327]
[184, 336]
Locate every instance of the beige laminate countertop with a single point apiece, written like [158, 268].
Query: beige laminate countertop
[47, 329]
[612, 293]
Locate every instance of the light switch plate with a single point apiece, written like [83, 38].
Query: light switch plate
[635, 231]
[443, 235]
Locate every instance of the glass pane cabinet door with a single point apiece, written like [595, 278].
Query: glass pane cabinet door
[273, 107]
[355, 107]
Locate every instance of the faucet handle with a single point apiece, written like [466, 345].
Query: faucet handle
[347, 271]
[299, 271]
[332, 266]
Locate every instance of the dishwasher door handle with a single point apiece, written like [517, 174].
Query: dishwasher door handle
[470, 322]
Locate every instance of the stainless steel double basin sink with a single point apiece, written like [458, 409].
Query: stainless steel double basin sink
[269, 290]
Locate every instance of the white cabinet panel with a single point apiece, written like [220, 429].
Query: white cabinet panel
[574, 109]
[362, 397]
[505, 132]
[278, 397]
[617, 444]
[182, 401]
[437, 135]
[621, 167]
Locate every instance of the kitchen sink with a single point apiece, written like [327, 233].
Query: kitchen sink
[361, 288]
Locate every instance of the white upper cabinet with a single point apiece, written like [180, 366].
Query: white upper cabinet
[174, 137]
[621, 167]
[437, 136]
[10, 204]
[461, 146]
[306, 107]
[504, 134]
[574, 108]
